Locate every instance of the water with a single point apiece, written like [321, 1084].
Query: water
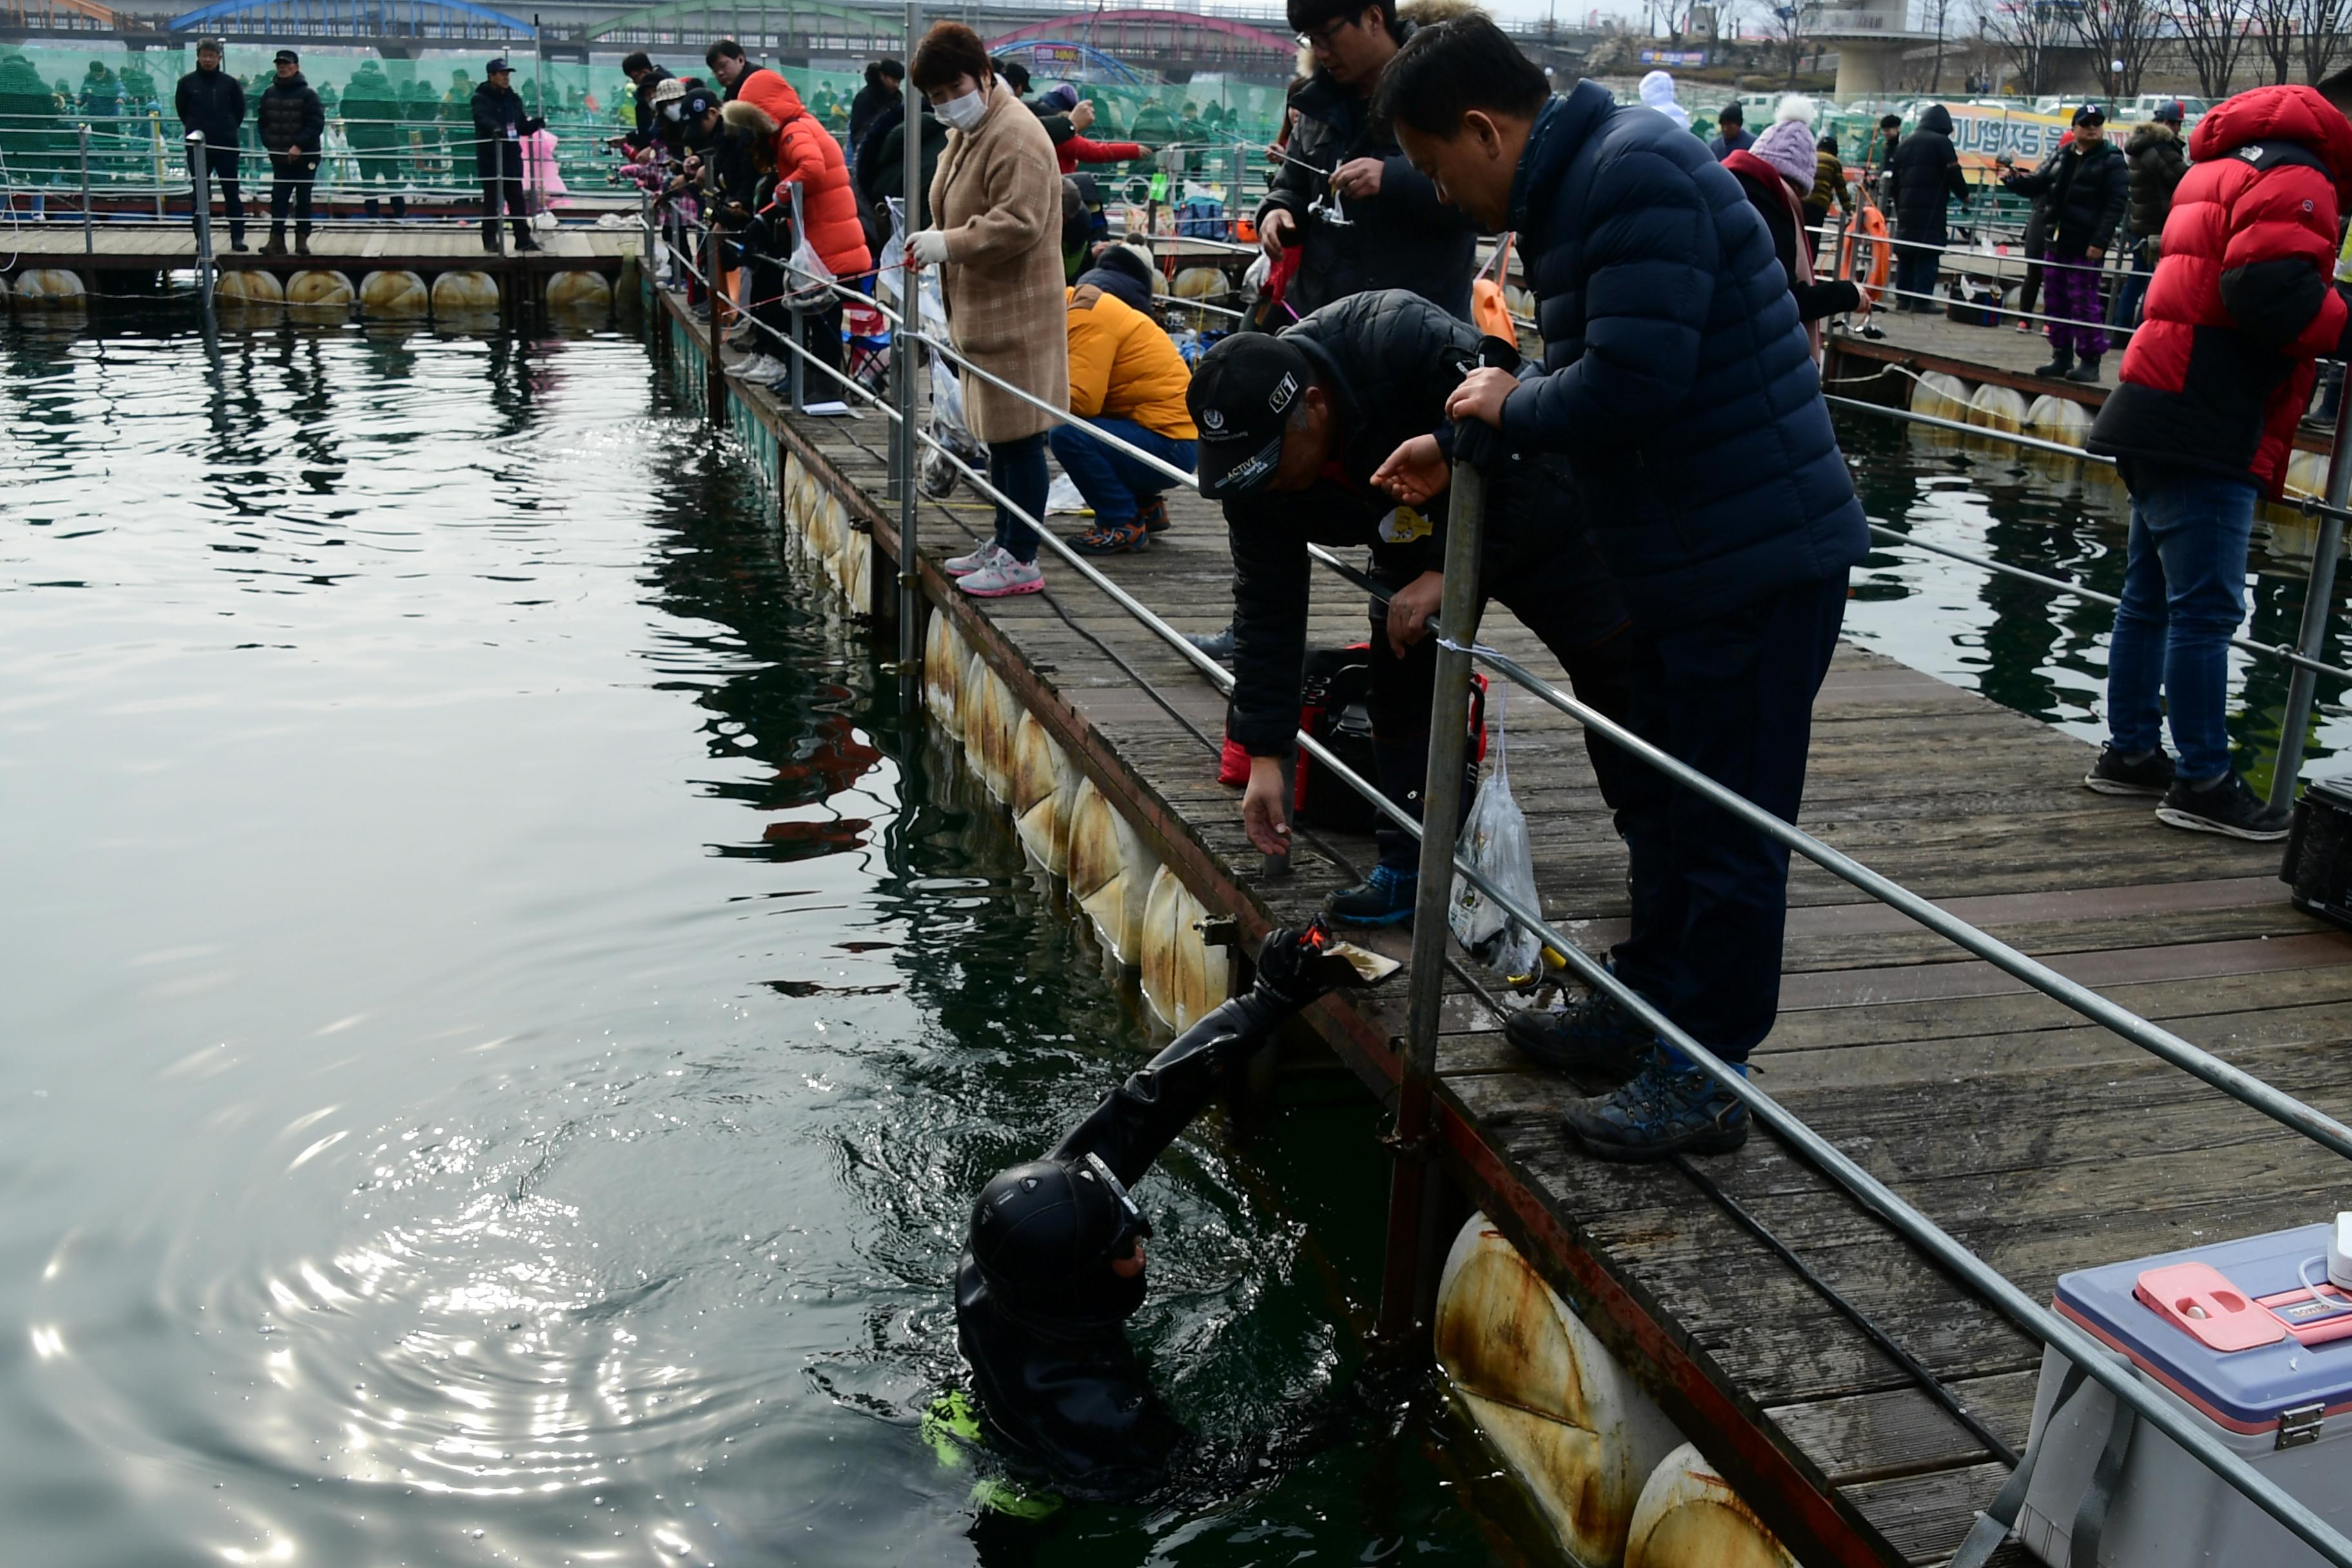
[501, 1028]
[2029, 648]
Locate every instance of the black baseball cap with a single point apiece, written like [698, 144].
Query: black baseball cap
[1241, 398]
[496, 65]
[2170, 113]
[2090, 114]
[289, 58]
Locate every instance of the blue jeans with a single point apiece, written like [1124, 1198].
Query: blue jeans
[1114, 483]
[2133, 290]
[2184, 597]
[1018, 468]
[1914, 275]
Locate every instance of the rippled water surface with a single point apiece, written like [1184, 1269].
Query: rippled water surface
[502, 1026]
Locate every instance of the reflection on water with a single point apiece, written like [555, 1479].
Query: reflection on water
[501, 1029]
[2037, 651]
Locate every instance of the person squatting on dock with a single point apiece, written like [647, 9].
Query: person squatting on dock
[1680, 387]
[2087, 185]
[499, 126]
[2202, 425]
[292, 125]
[1128, 380]
[997, 203]
[212, 101]
[1296, 430]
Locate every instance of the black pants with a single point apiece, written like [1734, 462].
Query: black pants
[291, 179]
[503, 187]
[221, 163]
[1733, 697]
[1559, 591]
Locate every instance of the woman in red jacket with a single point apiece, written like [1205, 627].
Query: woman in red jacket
[800, 150]
[2240, 304]
[1074, 149]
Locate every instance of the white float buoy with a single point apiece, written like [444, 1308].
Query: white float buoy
[1110, 873]
[2306, 473]
[1940, 395]
[580, 293]
[857, 573]
[1997, 407]
[6, 289]
[945, 656]
[1044, 787]
[319, 286]
[395, 292]
[1581, 1437]
[50, 289]
[2056, 418]
[1182, 976]
[248, 286]
[989, 718]
[1688, 1517]
[465, 291]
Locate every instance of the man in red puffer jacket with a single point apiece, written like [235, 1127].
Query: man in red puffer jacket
[2212, 387]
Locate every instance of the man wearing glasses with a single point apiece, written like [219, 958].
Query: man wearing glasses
[1360, 215]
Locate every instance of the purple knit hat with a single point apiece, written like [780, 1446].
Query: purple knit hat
[1789, 147]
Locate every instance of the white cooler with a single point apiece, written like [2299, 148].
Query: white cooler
[2231, 1336]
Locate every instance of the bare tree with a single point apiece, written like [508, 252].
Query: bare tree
[1938, 13]
[2323, 24]
[2121, 34]
[1790, 31]
[2276, 22]
[2214, 36]
[2022, 32]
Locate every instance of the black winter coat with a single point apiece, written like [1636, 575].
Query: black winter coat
[1388, 361]
[1924, 173]
[645, 95]
[2158, 161]
[1679, 383]
[290, 115]
[867, 107]
[2086, 190]
[1404, 237]
[499, 124]
[882, 166]
[212, 101]
[1823, 296]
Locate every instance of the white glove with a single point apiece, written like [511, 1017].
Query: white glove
[929, 246]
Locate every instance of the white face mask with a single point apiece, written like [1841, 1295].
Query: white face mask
[964, 113]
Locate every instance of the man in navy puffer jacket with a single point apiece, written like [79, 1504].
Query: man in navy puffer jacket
[1682, 390]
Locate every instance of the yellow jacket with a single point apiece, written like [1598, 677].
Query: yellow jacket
[1122, 364]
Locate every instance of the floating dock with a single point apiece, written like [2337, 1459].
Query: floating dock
[2043, 1142]
[422, 246]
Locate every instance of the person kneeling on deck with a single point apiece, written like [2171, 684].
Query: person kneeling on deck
[1681, 389]
[1128, 380]
[2202, 426]
[1292, 430]
[1054, 1263]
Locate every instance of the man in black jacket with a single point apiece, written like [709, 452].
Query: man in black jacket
[212, 101]
[2087, 185]
[1924, 173]
[499, 126]
[644, 77]
[885, 87]
[1364, 217]
[1292, 430]
[292, 125]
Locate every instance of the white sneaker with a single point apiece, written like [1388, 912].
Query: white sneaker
[1002, 578]
[762, 370]
[965, 565]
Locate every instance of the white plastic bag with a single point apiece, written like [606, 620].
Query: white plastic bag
[890, 266]
[1494, 841]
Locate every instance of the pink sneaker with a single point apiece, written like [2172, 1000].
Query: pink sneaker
[1002, 578]
[965, 565]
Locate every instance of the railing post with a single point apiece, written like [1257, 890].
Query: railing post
[89, 241]
[2319, 597]
[155, 139]
[906, 356]
[200, 192]
[1407, 1276]
[714, 376]
[799, 354]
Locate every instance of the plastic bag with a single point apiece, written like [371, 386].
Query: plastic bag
[1494, 842]
[890, 266]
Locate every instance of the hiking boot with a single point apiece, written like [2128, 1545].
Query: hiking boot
[490, 244]
[1384, 899]
[1002, 578]
[965, 565]
[2061, 362]
[1153, 515]
[302, 244]
[1112, 538]
[2087, 372]
[276, 244]
[1218, 645]
[2114, 773]
[1664, 1110]
[2225, 806]
[1595, 1036]
[524, 242]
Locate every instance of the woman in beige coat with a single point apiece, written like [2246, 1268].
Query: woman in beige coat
[997, 203]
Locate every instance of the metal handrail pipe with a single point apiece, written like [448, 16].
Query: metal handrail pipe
[847, 382]
[1945, 1249]
[1159, 465]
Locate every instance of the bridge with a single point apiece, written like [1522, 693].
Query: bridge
[1176, 44]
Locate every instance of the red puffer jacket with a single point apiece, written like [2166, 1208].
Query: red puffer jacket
[806, 152]
[2242, 299]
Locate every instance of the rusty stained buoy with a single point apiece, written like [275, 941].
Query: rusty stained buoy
[395, 292]
[989, 718]
[945, 656]
[50, 289]
[1997, 408]
[579, 293]
[248, 288]
[1688, 1517]
[465, 291]
[1044, 789]
[1182, 976]
[319, 286]
[1567, 1419]
[2060, 419]
[1941, 397]
[1110, 873]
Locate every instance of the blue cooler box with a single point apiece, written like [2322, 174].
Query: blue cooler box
[2284, 1405]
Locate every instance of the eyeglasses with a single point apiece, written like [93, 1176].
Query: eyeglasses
[1322, 35]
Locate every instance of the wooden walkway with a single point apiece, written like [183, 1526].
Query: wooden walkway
[352, 248]
[2043, 1142]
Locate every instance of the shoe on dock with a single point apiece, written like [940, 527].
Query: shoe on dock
[965, 565]
[1595, 1036]
[1003, 577]
[1664, 1110]
[2114, 773]
[1117, 539]
[2226, 806]
[1384, 899]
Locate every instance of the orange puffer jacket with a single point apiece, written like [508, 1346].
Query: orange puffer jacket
[807, 152]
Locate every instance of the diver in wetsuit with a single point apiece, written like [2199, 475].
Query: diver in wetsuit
[1053, 1265]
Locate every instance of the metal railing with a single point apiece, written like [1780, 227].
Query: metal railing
[1457, 648]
